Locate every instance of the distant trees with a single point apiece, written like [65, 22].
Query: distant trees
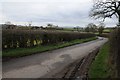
[53, 27]
[78, 28]
[49, 25]
[8, 23]
[91, 27]
[87, 29]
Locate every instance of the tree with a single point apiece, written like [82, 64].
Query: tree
[8, 23]
[87, 29]
[50, 25]
[101, 28]
[30, 23]
[91, 27]
[106, 8]
[78, 28]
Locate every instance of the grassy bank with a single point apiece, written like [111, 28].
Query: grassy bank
[100, 67]
[28, 51]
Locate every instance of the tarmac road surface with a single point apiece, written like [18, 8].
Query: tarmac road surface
[47, 64]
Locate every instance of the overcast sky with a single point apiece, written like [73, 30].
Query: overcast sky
[41, 12]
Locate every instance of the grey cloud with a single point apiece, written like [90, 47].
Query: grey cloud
[65, 12]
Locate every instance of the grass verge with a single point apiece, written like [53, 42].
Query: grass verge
[100, 67]
[18, 52]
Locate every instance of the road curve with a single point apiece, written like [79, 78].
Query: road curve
[48, 63]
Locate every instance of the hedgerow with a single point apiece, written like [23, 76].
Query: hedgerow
[14, 38]
[115, 51]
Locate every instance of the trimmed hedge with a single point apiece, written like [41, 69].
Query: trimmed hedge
[115, 50]
[106, 35]
[28, 38]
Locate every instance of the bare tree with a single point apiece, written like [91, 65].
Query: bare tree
[30, 23]
[93, 27]
[8, 23]
[50, 25]
[106, 8]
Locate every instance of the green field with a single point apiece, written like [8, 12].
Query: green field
[106, 30]
[100, 67]
[18, 52]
